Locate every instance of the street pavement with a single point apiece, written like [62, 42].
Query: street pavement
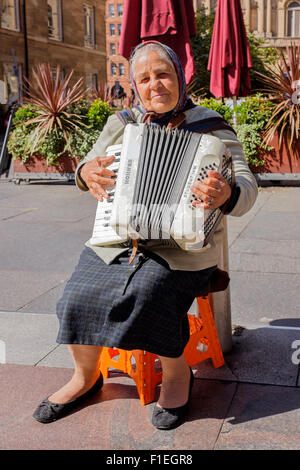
[250, 403]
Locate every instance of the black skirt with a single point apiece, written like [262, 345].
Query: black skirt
[142, 305]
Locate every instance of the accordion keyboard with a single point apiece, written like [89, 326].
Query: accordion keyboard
[103, 233]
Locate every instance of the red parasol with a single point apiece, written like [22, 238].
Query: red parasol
[171, 22]
[229, 56]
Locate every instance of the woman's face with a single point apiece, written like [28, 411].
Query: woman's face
[156, 82]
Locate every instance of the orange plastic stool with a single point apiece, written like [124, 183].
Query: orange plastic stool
[143, 367]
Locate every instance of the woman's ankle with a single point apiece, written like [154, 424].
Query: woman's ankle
[77, 386]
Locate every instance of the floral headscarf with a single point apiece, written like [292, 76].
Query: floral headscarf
[180, 75]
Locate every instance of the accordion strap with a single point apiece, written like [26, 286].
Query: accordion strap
[208, 125]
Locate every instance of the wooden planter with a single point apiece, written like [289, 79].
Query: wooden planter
[36, 168]
[283, 163]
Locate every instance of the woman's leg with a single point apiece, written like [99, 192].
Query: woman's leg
[175, 382]
[87, 364]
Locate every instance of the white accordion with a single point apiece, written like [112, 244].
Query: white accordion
[152, 200]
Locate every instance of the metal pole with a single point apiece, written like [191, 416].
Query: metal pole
[25, 40]
[221, 300]
[4, 157]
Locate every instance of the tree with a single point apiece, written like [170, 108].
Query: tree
[261, 54]
[201, 46]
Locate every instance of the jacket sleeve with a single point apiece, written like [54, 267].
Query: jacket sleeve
[245, 179]
[111, 134]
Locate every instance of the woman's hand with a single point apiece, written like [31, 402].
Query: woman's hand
[97, 177]
[214, 191]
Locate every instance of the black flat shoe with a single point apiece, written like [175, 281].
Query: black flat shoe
[170, 418]
[47, 412]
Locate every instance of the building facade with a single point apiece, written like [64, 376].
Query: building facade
[117, 66]
[58, 32]
[277, 21]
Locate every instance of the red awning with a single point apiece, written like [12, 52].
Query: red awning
[171, 22]
[229, 57]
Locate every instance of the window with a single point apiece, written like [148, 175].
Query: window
[120, 10]
[10, 14]
[54, 20]
[89, 26]
[119, 29]
[112, 48]
[293, 19]
[111, 10]
[62, 73]
[91, 80]
[112, 29]
[113, 69]
[121, 69]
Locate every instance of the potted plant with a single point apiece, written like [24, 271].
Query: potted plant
[55, 128]
[282, 129]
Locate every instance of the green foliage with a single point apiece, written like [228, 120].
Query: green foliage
[23, 115]
[252, 116]
[81, 138]
[17, 143]
[249, 136]
[98, 113]
[261, 56]
[217, 105]
[255, 109]
[201, 46]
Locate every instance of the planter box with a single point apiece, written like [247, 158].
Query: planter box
[36, 168]
[280, 163]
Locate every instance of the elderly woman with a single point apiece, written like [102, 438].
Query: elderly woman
[143, 305]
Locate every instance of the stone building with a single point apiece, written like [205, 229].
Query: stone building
[277, 21]
[117, 66]
[64, 32]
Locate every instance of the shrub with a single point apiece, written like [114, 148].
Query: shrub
[221, 108]
[253, 115]
[98, 113]
[53, 144]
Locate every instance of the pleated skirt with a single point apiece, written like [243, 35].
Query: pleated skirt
[142, 305]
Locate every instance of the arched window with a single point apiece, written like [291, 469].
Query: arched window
[293, 19]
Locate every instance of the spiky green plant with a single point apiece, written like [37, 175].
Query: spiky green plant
[50, 98]
[281, 83]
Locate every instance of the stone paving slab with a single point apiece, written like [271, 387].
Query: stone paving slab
[28, 338]
[46, 302]
[113, 419]
[264, 297]
[222, 416]
[268, 248]
[270, 225]
[28, 286]
[262, 418]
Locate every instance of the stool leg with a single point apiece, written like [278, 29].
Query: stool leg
[209, 323]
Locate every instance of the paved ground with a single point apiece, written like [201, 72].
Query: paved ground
[253, 402]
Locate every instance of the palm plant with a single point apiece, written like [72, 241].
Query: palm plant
[50, 98]
[100, 91]
[281, 84]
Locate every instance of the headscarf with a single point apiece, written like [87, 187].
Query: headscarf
[183, 100]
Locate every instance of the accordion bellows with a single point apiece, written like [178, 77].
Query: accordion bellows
[152, 200]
